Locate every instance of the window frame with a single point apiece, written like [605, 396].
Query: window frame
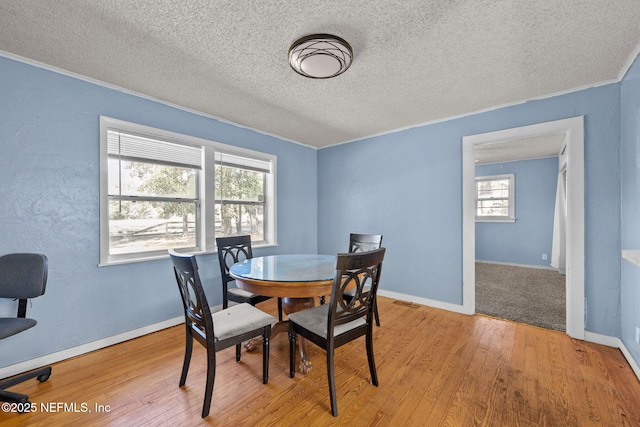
[510, 217]
[205, 209]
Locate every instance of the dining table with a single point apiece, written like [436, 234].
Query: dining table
[296, 278]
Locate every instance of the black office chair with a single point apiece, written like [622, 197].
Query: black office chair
[331, 325]
[219, 330]
[364, 243]
[230, 251]
[22, 276]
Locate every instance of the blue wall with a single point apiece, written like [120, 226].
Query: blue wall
[49, 170]
[524, 241]
[630, 193]
[407, 186]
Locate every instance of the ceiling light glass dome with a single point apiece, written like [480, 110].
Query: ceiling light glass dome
[320, 56]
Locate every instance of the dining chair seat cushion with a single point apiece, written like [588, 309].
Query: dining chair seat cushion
[13, 325]
[241, 292]
[239, 319]
[315, 320]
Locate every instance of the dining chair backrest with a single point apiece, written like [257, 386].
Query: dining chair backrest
[364, 242]
[359, 271]
[194, 301]
[232, 250]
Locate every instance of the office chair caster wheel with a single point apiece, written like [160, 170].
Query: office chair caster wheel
[45, 373]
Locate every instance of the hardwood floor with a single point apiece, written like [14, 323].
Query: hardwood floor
[435, 368]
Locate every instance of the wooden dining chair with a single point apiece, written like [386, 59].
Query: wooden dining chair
[332, 325]
[230, 251]
[219, 330]
[364, 243]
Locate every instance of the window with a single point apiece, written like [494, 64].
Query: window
[495, 198]
[240, 195]
[161, 190]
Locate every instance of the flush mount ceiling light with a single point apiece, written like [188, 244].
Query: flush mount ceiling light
[320, 56]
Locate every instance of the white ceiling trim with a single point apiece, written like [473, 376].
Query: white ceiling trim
[473, 113]
[48, 67]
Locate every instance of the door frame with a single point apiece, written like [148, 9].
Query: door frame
[574, 139]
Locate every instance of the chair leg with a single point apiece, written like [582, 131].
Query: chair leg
[238, 352]
[280, 309]
[13, 397]
[292, 354]
[188, 348]
[211, 376]
[375, 311]
[322, 300]
[265, 358]
[42, 374]
[372, 362]
[332, 382]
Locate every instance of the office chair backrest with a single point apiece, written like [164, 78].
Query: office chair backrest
[23, 275]
[196, 309]
[364, 242]
[360, 271]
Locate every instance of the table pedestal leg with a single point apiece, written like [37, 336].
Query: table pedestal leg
[290, 305]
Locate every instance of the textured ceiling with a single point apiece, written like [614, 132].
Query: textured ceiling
[416, 61]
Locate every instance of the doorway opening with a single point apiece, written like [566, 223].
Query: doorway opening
[573, 135]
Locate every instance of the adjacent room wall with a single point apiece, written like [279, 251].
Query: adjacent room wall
[630, 194]
[407, 186]
[524, 241]
[49, 169]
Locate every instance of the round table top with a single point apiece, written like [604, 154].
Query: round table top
[298, 275]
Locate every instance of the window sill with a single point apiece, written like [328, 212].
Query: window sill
[165, 256]
[495, 220]
[633, 256]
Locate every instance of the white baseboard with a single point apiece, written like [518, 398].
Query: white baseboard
[632, 362]
[456, 308]
[541, 267]
[616, 343]
[607, 340]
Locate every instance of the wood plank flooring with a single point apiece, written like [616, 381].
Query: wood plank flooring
[436, 368]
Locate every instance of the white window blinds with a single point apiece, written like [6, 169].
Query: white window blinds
[125, 146]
